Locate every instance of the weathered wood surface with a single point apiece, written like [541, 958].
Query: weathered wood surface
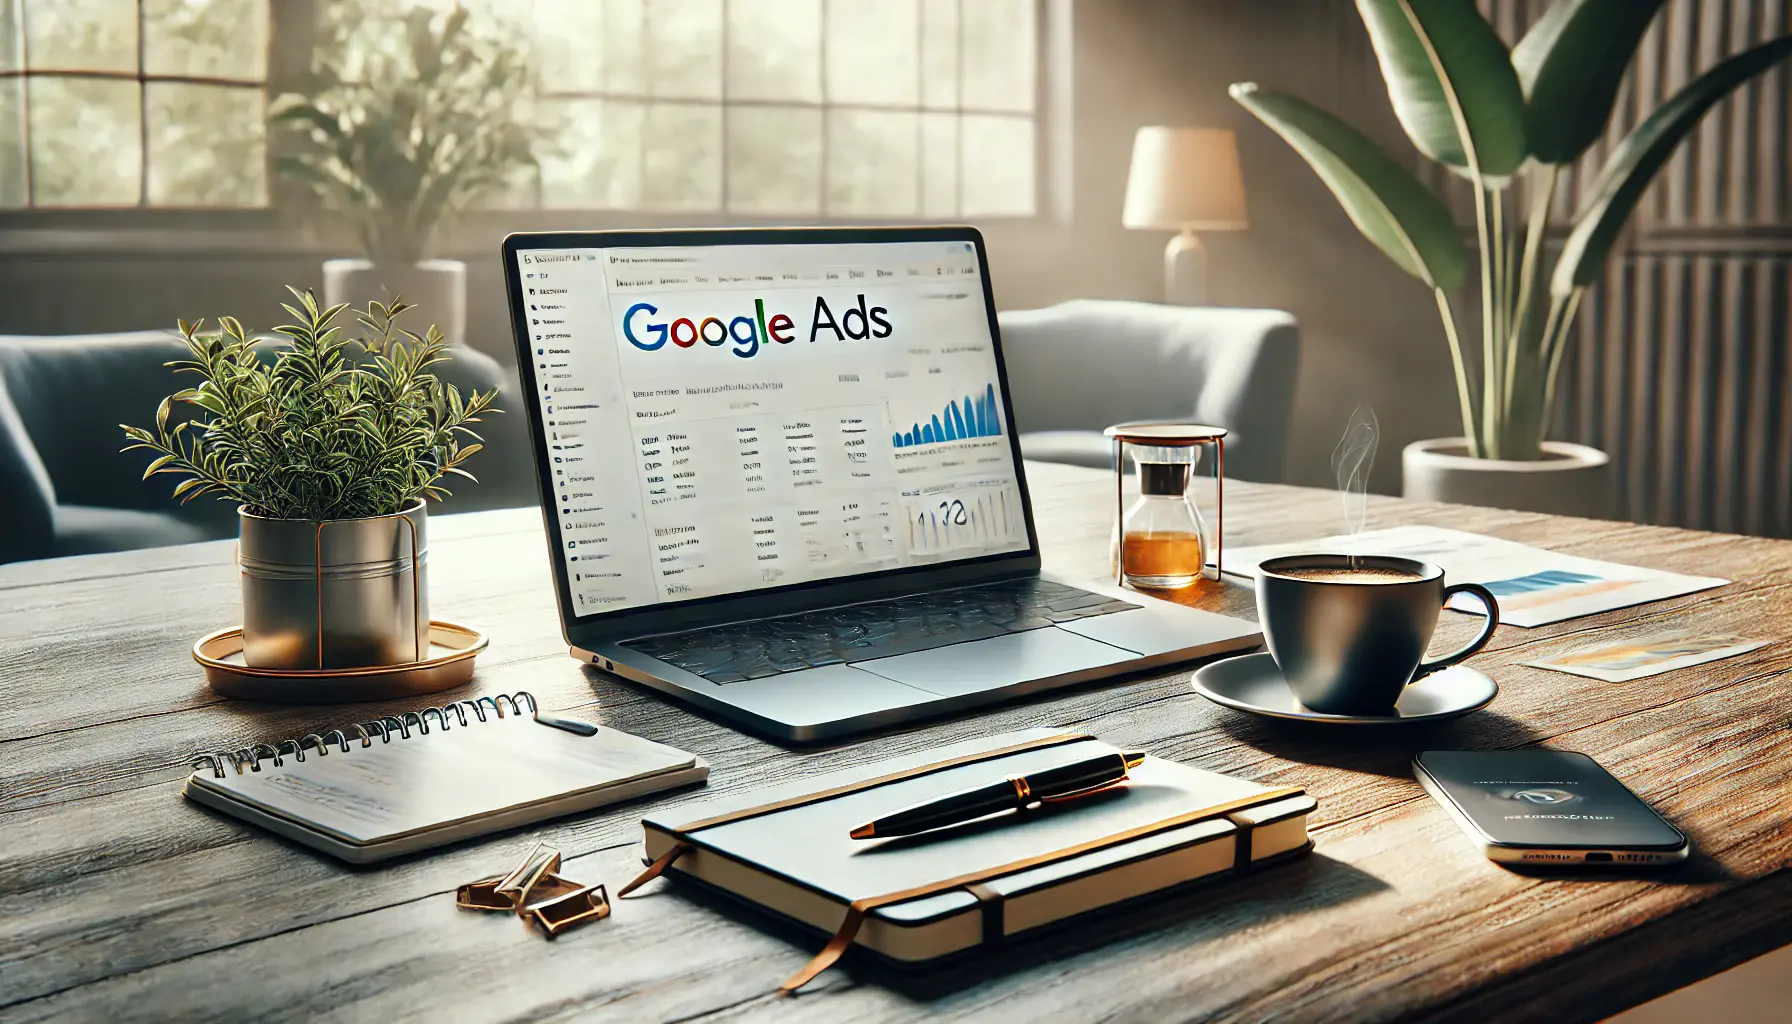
[119, 900]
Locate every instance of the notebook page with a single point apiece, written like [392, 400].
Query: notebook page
[381, 792]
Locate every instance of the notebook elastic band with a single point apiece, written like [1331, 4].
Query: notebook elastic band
[989, 902]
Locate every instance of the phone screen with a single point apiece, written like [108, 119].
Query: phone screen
[1546, 798]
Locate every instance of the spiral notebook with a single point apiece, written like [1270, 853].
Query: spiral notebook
[401, 784]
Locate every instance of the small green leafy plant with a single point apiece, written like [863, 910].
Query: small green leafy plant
[1502, 118]
[332, 427]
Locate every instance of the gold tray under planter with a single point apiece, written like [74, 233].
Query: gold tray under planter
[452, 648]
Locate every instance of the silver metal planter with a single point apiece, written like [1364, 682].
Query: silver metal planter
[343, 593]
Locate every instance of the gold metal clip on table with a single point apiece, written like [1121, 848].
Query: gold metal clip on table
[535, 892]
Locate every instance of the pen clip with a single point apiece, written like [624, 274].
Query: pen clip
[575, 726]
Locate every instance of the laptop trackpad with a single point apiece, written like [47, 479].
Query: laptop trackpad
[1161, 628]
[997, 662]
[820, 695]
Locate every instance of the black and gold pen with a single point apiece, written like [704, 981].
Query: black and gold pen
[1048, 785]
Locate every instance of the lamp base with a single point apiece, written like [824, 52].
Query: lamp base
[1185, 270]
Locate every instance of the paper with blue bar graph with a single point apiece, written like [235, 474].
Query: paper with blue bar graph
[1534, 587]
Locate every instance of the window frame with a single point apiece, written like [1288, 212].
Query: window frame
[292, 211]
[24, 74]
[824, 107]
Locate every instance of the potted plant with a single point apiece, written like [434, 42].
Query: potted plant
[1509, 121]
[331, 447]
[406, 123]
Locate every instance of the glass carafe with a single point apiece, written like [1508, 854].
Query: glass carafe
[1165, 538]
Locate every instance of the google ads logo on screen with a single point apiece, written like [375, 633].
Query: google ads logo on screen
[645, 330]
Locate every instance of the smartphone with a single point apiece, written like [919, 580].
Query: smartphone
[1547, 807]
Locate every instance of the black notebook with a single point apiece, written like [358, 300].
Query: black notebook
[923, 897]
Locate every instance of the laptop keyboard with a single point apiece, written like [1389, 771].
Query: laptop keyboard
[878, 629]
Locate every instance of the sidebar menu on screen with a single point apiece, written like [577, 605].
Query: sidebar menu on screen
[580, 392]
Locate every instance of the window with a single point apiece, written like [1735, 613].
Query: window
[833, 108]
[107, 103]
[819, 108]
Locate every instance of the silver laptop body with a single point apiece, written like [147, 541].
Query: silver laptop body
[781, 483]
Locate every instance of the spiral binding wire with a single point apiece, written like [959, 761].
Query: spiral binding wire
[446, 716]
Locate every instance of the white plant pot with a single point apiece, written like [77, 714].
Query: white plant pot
[438, 288]
[1570, 479]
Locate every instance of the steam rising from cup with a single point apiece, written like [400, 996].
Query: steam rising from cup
[1351, 462]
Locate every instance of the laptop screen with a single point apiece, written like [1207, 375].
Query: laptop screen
[723, 419]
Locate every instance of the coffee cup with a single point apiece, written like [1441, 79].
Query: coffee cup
[1349, 632]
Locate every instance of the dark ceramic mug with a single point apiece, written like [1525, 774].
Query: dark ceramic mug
[1349, 647]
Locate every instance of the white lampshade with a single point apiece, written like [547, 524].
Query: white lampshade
[1185, 179]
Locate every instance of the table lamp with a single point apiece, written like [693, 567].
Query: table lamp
[1185, 180]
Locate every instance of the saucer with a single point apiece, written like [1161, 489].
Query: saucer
[452, 648]
[1254, 684]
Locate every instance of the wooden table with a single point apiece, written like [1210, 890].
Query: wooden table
[120, 900]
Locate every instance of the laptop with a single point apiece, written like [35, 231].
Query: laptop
[781, 480]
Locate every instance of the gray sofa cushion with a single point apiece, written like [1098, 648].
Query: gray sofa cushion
[85, 529]
[65, 487]
[27, 499]
[1085, 365]
[1072, 447]
[1083, 447]
[72, 392]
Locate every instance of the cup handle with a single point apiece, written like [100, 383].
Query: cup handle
[1492, 623]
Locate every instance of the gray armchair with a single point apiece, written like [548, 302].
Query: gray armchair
[1079, 367]
[65, 488]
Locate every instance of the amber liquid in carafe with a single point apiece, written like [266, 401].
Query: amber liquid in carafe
[1162, 559]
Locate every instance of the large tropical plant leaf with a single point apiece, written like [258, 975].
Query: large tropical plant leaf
[1436, 55]
[1387, 204]
[1570, 64]
[1634, 164]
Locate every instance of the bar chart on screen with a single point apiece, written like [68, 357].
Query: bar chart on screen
[960, 420]
[963, 516]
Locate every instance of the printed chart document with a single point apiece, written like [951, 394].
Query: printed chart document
[1640, 657]
[1534, 587]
